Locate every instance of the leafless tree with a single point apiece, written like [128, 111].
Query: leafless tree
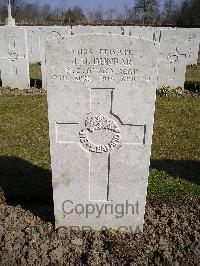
[147, 11]
[111, 13]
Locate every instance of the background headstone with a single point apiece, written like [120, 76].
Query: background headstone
[173, 59]
[14, 64]
[47, 34]
[101, 100]
[96, 29]
[33, 40]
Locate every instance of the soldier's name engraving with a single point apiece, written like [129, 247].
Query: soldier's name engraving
[102, 61]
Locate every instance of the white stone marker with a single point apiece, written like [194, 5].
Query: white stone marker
[140, 32]
[33, 44]
[96, 29]
[173, 59]
[46, 34]
[192, 41]
[101, 99]
[14, 64]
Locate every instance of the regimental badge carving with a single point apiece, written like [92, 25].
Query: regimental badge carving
[54, 35]
[30, 33]
[12, 54]
[173, 57]
[192, 36]
[99, 122]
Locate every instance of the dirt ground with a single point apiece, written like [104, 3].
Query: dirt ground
[171, 237]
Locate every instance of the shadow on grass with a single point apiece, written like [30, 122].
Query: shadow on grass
[192, 86]
[27, 185]
[37, 83]
[185, 169]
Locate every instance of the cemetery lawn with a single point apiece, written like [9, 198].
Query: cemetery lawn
[24, 142]
[35, 71]
[192, 78]
[193, 73]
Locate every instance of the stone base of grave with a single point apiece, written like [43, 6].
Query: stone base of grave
[10, 21]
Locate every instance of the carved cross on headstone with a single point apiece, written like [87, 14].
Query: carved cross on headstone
[11, 57]
[172, 58]
[100, 135]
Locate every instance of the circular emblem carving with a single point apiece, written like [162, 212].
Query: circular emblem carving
[12, 54]
[30, 33]
[192, 36]
[173, 57]
[54, 35]
[95, 123]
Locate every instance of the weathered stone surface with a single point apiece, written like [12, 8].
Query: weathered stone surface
[192, 42]
[96, 29]
[14, 64]
[140, 32]
[173, 59]
[33, 40]
[46, 34]
[101, 99]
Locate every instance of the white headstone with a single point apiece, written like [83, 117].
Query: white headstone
[33, 44]
[140, 32]
[96, 29]
[46, 34]
[192, 41]
[173, 59]
[101, 100]
[14, 64]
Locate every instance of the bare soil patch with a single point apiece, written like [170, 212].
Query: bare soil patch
[171, 237]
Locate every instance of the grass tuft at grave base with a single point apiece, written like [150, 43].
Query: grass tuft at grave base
[25, 159]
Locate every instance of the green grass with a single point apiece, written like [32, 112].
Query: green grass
[35, 71]
[192, 78]
[193, 73]
[25, 159]
[175, 167]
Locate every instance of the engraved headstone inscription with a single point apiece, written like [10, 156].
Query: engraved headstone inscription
[14, 57]
[101, 99]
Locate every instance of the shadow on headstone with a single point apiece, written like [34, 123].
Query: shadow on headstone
[27, 185]
[185, 169]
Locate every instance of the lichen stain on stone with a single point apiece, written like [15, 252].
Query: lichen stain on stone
[63, 180]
